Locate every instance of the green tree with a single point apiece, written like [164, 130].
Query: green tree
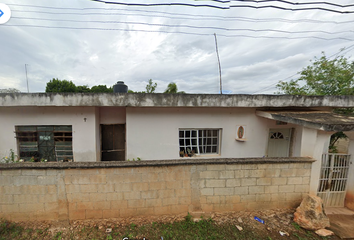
[56, 85]
[323, 77]
[151, 87]
[101, 89]
[83, 89]
[172, 88]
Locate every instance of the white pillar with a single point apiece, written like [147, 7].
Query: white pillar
[349, 197]
[320, 147]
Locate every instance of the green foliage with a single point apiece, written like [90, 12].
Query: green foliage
[11, 158]
[323, 77]
[56, 85]
[151, 87]
[83, 89]
[172, 88]
[101, 89]
[186, 229]
[58, 236]
[334, 138]
[296, 226]
[188, 218]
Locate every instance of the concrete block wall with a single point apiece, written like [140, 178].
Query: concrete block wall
[253, 186]
[72, 194]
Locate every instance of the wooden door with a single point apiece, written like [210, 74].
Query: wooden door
[113, 142]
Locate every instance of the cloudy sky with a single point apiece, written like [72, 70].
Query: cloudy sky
[93, 43]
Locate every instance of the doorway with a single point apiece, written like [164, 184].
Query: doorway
[333, 179]
[113, 142]
[279, 142]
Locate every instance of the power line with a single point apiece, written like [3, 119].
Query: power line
[220, 7]
[178, 32]
[193, 16]
[297, 3]
[183, 26]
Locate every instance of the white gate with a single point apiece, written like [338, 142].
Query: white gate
[333, 179]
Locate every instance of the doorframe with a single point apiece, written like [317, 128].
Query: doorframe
[125, 139]
[328, 170]
[291, 140]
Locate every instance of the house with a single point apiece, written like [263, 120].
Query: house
[83, 127]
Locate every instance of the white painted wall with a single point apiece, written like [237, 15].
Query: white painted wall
[112, 115]
[152, 133]
[319, 140]
[84, 136]
[308, 142]
[349, 201]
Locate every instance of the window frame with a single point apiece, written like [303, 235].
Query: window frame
[59, 137]
[201, 142]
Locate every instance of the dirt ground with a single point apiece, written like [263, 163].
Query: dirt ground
[278, 224]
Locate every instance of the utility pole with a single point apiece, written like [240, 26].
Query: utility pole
[217, 54]
[26, 77]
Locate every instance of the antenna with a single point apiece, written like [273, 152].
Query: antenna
[26, 77]
[217, 54]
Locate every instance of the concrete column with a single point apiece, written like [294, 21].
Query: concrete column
[349, 197]
[319, 147]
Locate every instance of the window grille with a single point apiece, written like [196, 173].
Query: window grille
[51, 143]
[199, 141]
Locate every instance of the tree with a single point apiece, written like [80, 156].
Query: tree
[9, 90]
[83, 89]
[151, 87]
[56, 85]
[172, 88]
[101, 89]
[323, 77]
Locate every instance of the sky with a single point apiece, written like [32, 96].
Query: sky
[94, 43]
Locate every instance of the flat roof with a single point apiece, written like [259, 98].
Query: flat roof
[321, 120]
[171, 100]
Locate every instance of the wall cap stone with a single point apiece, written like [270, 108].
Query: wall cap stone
[153, 163]
[170, 100]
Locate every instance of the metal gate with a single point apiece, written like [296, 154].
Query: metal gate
[333, 179]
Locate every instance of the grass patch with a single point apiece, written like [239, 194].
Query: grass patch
[186, 229]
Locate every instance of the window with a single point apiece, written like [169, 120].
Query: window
[277, 135]
[198, 141]
[52, 143]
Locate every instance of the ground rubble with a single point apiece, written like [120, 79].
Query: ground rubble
[277, 222]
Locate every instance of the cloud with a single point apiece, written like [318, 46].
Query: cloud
[252, 60]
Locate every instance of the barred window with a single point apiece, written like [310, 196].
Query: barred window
[51, 143]
[199, 141]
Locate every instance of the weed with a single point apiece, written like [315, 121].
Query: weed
[188, 218]
[58, 236]
[296, 226]
[132, 226]
[12, 158]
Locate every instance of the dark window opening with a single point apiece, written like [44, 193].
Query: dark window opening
[45, 143]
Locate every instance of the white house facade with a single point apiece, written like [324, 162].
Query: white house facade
[124, 126]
